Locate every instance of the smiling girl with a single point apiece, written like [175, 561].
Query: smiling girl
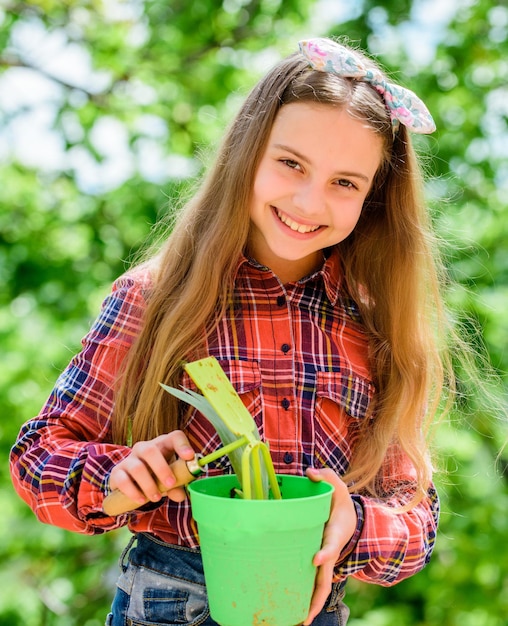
[310, 187]
[304, 265]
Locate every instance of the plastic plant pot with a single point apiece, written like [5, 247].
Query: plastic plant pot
[257, 554]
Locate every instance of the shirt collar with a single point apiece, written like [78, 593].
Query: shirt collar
[330, 273]
[333, 275]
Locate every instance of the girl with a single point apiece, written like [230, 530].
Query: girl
[304, 265]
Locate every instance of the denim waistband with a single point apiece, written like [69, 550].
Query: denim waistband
[155, 554]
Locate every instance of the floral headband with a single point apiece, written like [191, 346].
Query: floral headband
[404, 106]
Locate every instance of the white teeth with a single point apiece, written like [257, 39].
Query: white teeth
[301, 228]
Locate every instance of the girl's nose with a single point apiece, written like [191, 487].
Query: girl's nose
[309, 198]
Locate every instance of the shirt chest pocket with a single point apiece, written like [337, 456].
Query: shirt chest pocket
[342, 402]
[351, 392]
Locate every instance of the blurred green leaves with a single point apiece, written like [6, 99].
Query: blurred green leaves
[108, 110]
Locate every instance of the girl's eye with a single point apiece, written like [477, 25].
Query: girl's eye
[344, 182]
[290, 163]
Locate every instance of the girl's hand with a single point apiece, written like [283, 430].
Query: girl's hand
[338, 531]
[136, 476]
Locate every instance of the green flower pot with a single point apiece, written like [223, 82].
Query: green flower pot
[257, 554]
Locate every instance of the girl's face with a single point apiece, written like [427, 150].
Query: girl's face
[310, 186]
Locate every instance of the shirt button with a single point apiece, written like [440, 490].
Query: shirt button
[285, 347]
[288, 458]
[281, 300]
[285, 404]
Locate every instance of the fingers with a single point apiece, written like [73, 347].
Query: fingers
[322, 588]
[145, 474]
[338, 531]
[175, 442]
[334, 539]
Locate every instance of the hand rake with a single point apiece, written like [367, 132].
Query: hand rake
[221, 405]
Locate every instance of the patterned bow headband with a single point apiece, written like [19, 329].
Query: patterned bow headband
[404, 106]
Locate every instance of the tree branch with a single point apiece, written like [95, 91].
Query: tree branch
[11, 61]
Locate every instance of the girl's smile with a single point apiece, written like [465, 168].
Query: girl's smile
[294, 226]
[312, 181]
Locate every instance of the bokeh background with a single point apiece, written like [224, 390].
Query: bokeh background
[109, 109]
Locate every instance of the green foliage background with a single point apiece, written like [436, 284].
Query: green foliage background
[164, 78]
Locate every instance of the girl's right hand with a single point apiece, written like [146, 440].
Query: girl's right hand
[137, 475]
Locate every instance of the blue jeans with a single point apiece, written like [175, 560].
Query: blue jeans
[161, 584]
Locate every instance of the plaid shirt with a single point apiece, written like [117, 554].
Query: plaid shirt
[297, 355]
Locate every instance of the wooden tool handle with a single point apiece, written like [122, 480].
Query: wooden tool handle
[117, 502]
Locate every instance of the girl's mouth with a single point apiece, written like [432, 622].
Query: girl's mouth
[295, 226]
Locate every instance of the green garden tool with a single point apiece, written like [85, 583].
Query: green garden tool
[221, 405]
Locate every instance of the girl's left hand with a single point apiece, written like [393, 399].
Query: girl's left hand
[338, 531]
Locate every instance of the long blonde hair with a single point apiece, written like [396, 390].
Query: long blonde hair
[389, 263]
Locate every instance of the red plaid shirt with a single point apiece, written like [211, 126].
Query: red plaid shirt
[296, 354]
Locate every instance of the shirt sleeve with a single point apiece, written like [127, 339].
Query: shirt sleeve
[391, 543]
[62, 459]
